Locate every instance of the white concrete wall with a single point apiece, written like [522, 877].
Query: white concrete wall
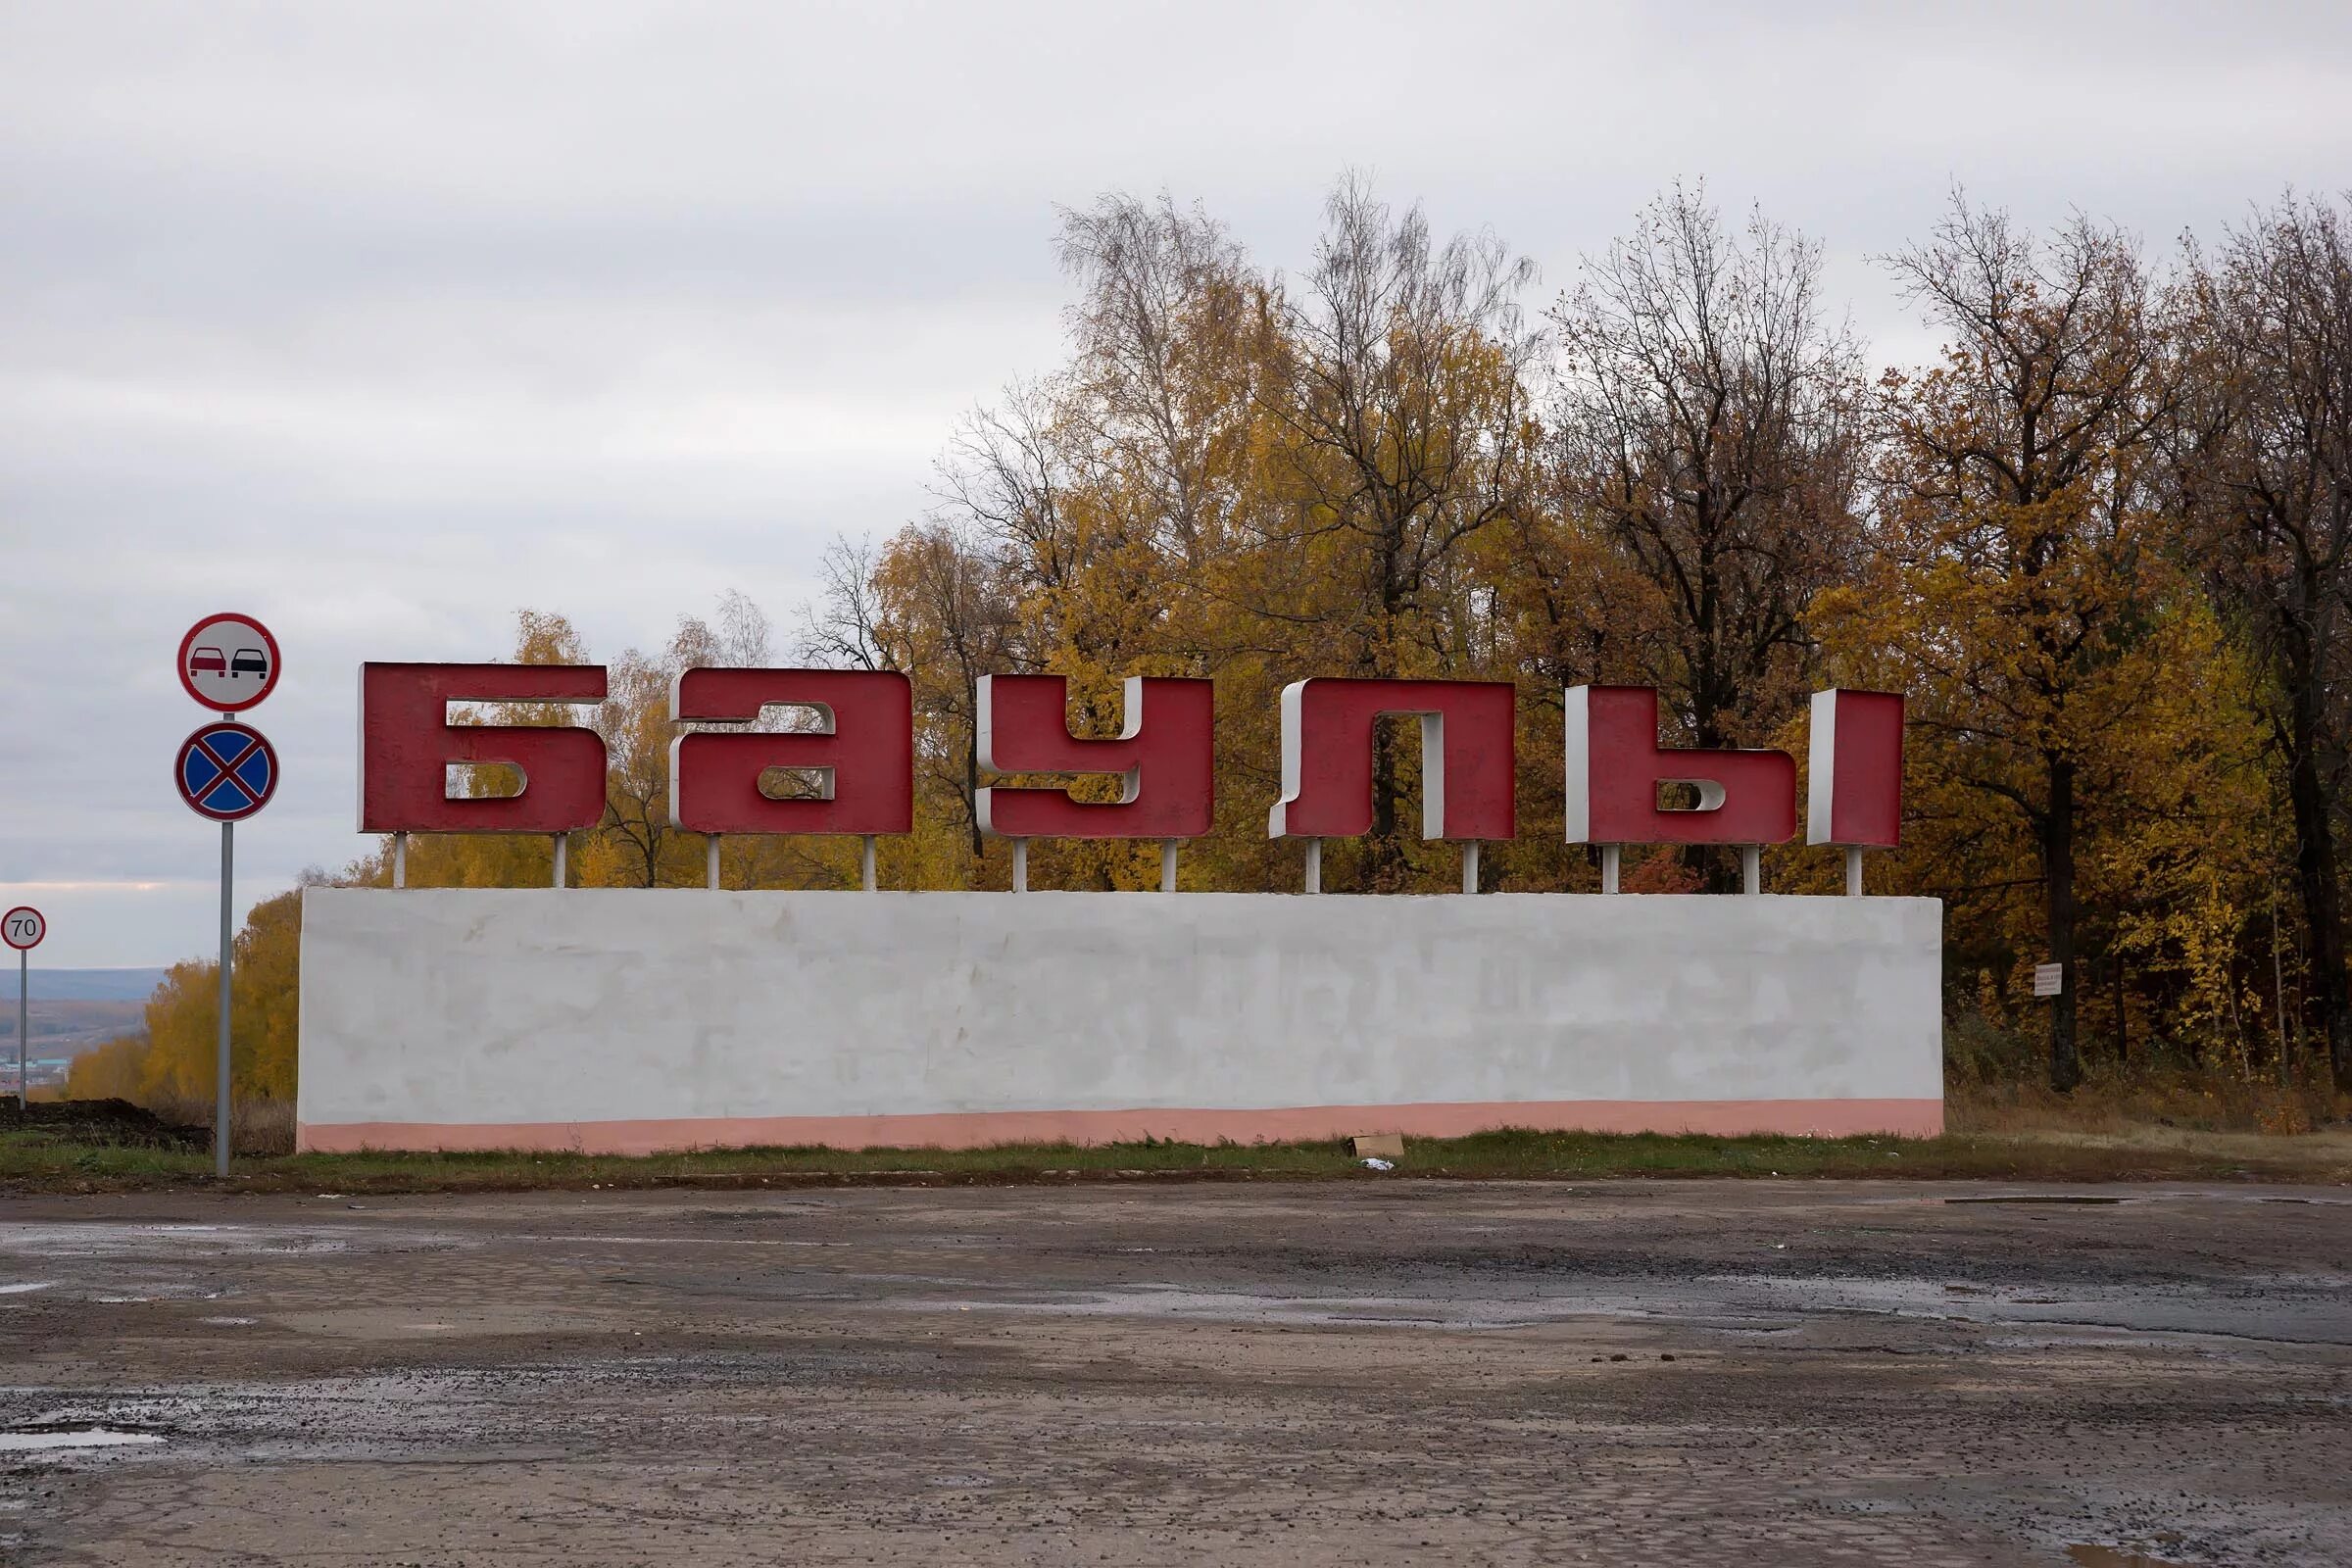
[428, 1012]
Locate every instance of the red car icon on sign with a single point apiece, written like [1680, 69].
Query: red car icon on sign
[248, 661]
[207, 662]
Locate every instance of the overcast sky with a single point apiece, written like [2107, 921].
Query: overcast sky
[379, 322]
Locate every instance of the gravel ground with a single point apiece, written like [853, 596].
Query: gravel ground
[1362, 1373]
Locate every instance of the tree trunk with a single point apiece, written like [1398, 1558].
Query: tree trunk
[1715, 868]
[2320, 887]
[971, 790]
[1384, 862]
[1384, 858]
[2058, 869]
[2123, 1016]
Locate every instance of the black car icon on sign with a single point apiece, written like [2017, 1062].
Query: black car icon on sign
[249, 662]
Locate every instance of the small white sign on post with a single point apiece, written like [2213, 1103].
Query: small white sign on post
[2049, 979]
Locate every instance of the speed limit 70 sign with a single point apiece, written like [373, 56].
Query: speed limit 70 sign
[22, 928]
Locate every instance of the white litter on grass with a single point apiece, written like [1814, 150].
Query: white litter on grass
[19, 1289]
[230, 1322]
[71, 1438]
[1378, 1164]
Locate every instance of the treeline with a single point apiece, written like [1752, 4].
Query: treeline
[173, 1062]
[2100, 542]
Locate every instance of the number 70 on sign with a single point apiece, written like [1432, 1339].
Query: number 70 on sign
[24, 927]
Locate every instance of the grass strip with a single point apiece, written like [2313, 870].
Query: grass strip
[35, 1161]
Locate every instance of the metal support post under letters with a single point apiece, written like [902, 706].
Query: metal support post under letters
[1314, 865]
[1020, 865]
[1853, 871]
[1470, 866]
[1608, 867]
[229, 832]
[563, 842]
[1168, 865]
[711, 868]
[400, 860]
[1752, 868]
[866, 864]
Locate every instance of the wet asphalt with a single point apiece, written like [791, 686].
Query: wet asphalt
[1364, 1372]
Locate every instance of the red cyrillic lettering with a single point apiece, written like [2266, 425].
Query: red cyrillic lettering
[1615, 767]
[1168, 752]
[1468, 747]
[407, 744]
[1854, 769]
[865, 747]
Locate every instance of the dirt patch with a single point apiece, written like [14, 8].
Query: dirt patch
[113, 1122]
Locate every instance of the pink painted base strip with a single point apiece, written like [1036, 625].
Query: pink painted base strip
[1825, 1118]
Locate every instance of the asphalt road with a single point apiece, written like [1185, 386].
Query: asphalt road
[1362, 1373]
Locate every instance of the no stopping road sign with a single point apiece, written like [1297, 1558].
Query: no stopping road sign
[227, 771]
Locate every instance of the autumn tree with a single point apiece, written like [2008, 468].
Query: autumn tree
[2011, 529]
[2263, 445]
[1160, 421]
[176, 1059]
[1165, 333]
[1404, 426]
[942, 613]
[1708, 429]
[638, 847]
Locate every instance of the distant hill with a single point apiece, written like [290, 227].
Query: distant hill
[82, 985]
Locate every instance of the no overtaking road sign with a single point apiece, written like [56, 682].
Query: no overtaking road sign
[228, 663]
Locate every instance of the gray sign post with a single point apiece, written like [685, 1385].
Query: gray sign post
[23, 928]
[227, 771]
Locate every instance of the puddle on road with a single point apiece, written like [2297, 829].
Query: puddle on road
[2039, 1198]
[1367, 1311]
[110, 1239]
[2114, 1557]
[54, 1438]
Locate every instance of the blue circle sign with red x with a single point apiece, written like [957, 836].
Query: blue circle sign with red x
[225, 771]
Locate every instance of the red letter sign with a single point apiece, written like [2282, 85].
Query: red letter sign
[1615, 767]
[1167, 752]
[1854, 767]
[864, 747]
[1467, 750]
[407, 744]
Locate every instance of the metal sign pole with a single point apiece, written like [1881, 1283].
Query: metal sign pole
[23, 1082]
[220, 1080]
[225, 771]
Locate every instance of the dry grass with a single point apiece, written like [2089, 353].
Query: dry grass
[2165, 1112]
[2146, 1105]
[255, 1127]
